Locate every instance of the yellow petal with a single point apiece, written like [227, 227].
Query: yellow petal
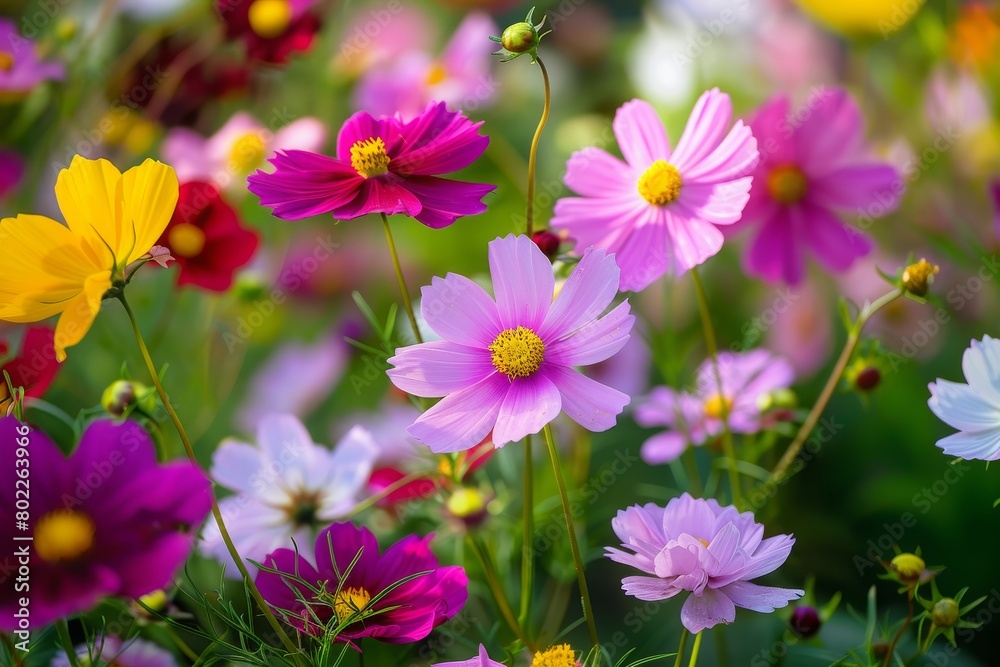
[149, 194]
[79, 314]
[39, 255]
[87, 192]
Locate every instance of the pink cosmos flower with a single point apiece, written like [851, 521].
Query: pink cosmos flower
[659, 211]
[20, 68]
[237, 149]
[508, 365]
[814, 169]
[459, 76]
[405, 613]
[695, 418]
[708, 550]
[383, 165]
[11, 170]
[481, 660]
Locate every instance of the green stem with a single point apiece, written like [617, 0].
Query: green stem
[680, 647]
[496, 588]
[690, 462]
[721, 647]
[695, 649]
[181, 644]
[251, 585]
[402, 281]
[527, 548]
[62, 629]
[533, 155]
[12, 649]
[588, 611]
[892, 645]
[853, 336]
[713, 353]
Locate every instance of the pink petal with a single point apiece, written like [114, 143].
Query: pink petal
[588, 291]
[719, 204]
[304, 134]
[459, 310]
[760, 598]
[774, 252]
[704, 130]
[707, 610]
[871, 190]
[643, 254]
[835, 244]
[438, 141]
[530, 404]
[649, 588]
[641, 136]
[735, 157]
[599, 222]
[593, 172]
[444, 200]
[522, 281]
[463, 419]
[589, 403]
[692, 240]
[595, 342]
[305, 184]
[663, 447]
[771, 128]
[439, 368]
[185, 150]
[831, 129]
[362, 127]
[382, 194]
[469, 47]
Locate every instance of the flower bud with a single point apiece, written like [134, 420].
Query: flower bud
[270, 18]
[547, 242]
[805, 621]
[880, 650]
[467, 504]
[909, 567]
[868, 378]
[123, 395]
[945, 613]
[918, 277]
[519, 37]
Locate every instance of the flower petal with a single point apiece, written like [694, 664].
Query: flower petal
[835, 244]
[438, 141]
[530, 404]
[707, 610]
[459, 310]
[80, 312]
[522, 281]
[593, 172]
[981, 365]
[870, 190]
[982, 445]
[704, 130]
[305, 184]
[774, 254]
[595, 342]
[962, 407]
[443, 200]
[640, 134]
[439, 368]
[87, 192]
[462, 419]
[149, 196]
[587, 292]
[589, 403]
[649, 588]
[760, 598]
[830, 129]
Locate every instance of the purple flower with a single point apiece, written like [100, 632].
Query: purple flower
[508, 365]
[973, 408]
[113, 651]
[481, 660]
[409, 81]
[383, 165]
[695, 418]
[659, 211]
[710, 551]
[20, 68]
[405, 613]
[11, 170]
[814, 169]
[107, 521]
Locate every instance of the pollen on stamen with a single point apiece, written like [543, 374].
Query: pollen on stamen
[660, 184]
[369, 157]
[350, 602]
[517, 353]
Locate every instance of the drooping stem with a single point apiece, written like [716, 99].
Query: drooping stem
[216, 512]
[402, 281]
[853, 337]
[713, 353]
[892, 645]
[527, 548]
[680, 647]
[496, 588]
[529, 215]
[695, 649]
[588, 610]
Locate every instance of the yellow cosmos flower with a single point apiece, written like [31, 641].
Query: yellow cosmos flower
[879, 17]
[112, 220]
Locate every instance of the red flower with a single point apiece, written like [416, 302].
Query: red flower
[206, 238]
[33, 368]
[271, 30]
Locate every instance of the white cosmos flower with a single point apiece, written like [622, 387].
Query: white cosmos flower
[973, 408]
[286, 487]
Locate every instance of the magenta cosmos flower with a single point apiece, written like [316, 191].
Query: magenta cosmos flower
[404, 613]
[659, 210]
[710, 551]
[508, 365]
[481, 660]
[107, 521]
[693, 418]
[814, 169]
[20, 68]
[383, 165]
[11, 171]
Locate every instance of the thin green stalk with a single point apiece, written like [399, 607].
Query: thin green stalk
[890, 652]
[713, 353]
[251, 585]
[496, 588]
[181, 644]
[853, 337]
[680, 647]
[721, 647]
[402, 281]
[527, 548]
[695, 649]
[533, 155]
[588, 610]
[690, 462]
[14, 655]
[62, 629]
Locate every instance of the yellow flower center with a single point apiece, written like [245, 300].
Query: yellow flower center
[248, 152]
[63, 535]
[555, 656]
[369, 158]
[517, 353]
[6, 61]
[436, 75]
[716, 405]
[349, 602]
[787, 184]
[186, 240]
[660, 184]
[270, 18]
[466, 502]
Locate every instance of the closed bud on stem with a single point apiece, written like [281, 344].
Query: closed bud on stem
[519, 37]
[805, 621]
[945, 613]
[917, 277]
[909, 567]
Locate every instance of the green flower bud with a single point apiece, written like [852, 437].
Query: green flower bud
[519, 37]
[945, 613]
[124, 394]
[909, 567]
